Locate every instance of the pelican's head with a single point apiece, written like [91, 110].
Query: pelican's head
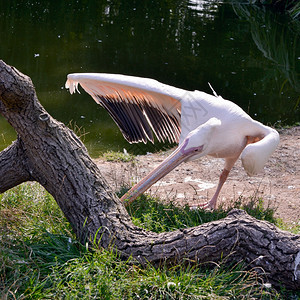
[197, 142]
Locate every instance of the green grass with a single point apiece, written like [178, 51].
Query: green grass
[118, 156]
[152, 214]
[41, 259]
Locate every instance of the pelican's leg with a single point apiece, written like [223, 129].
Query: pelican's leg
[212, 203]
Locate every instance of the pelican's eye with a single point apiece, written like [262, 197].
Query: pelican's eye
[198, 149]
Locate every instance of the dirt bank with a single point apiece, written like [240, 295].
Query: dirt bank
[195, 182]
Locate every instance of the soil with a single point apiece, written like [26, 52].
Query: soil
[195, 182]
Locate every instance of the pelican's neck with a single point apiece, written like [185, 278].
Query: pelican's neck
[256, 154]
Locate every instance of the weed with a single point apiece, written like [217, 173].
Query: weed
[118, 156]
[78, 130]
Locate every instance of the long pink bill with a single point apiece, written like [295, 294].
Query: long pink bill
[171, 162]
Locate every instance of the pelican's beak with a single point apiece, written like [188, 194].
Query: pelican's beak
[171, 162]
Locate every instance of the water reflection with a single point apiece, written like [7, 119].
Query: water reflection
[204, 9]
[182, 43]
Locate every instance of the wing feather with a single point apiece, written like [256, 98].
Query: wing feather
[139, 106]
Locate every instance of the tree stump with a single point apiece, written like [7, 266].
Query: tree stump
[48, 152]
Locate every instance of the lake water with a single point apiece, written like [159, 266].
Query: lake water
[250, 55]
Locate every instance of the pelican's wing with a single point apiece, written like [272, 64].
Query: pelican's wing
[136, 104]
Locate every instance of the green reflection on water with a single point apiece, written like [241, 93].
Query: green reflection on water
[249, 55]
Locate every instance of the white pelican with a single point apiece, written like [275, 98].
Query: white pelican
[202, 124]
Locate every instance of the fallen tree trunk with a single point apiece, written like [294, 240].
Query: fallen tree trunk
[48, 152]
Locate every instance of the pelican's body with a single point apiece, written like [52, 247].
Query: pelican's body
[202, 124]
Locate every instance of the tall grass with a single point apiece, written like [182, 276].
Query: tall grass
[273, 40]
[41, 259]
[294, 11]
[290, 7]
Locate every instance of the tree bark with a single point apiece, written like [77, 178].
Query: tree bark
[48, 152]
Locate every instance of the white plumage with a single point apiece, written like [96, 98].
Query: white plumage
[202, 124]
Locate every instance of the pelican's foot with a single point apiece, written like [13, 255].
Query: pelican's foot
[210, 205]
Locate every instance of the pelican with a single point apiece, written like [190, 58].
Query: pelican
[202, 124]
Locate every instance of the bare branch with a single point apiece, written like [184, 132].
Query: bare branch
[13, 170]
